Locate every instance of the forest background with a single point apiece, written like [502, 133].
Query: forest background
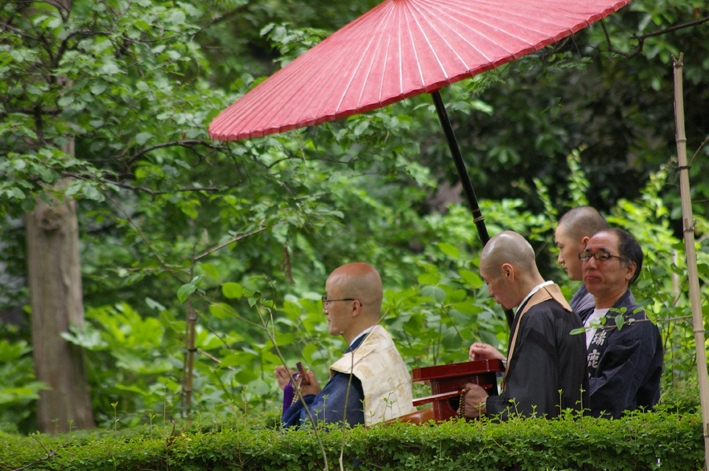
[181, 260]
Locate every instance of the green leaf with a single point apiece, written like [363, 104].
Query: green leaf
[17, 56]
[65, 101]
[132, 388]
[232, 290]
[154, 305]
[308, 352]
[184, 292]
[90, 192]
[246, 375]
[429, 278]
[578, 331]
[142, 138]
[177, 18]
[434, 292]
[481, 106]
[360, 128]
[222, 311]
[449, 249]
[620, 321]
[285, 339]
[28, 205]
[210, 270]
[98, 89]
[472, 278]
[468, 307]
[85, 337]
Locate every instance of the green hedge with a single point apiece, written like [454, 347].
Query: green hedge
[644, 441]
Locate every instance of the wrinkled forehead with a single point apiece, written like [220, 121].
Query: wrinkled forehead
[607, 241]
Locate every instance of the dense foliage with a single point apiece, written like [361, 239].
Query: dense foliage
[249, 231]
[645, 441]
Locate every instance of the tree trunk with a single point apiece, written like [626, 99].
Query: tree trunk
[56, 297]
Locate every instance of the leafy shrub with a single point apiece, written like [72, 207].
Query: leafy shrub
[18, 388]
[640, 441]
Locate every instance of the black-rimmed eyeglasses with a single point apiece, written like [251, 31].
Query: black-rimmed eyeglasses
[326, 301]
[600, 256]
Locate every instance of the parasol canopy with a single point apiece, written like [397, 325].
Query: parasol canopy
[399, 49]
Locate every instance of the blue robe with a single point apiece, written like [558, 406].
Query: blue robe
[624, 366]
[582, 303]
[328, 406]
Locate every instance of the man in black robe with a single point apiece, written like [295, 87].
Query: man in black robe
[545, 370]
[624, 363]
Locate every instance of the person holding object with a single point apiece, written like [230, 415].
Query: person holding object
[370, 383]
[624, 362]
[545, 370]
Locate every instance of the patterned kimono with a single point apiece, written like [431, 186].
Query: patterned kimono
[624, 365]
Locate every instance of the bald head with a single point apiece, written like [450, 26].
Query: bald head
[572, 233]
[508, 247]
[582, 221]
[508, 267]
[358, 281]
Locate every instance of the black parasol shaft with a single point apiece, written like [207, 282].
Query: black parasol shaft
[478, 218]
[460, 165]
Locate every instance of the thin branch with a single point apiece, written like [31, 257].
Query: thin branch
[40, 460]
[187, 144]
[272, 338]
[672, 319]
[291, 157]
[641, 38]
[681, 290]
[18, 31]
[234, 239]
[30, 111]
[63, 10]
[638, 48]
[675, 28]
[64, 46]
[220, 18]
[700, 148]
[145, 239]
[139, 189]
[125, 150]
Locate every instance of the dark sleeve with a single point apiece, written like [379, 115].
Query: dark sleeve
[328, 406]
[531, 382]
[627, 362]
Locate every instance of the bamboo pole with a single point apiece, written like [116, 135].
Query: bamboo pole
[688, 227]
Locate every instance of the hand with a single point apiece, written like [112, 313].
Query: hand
[283, 376]
[483, 351]
[475, 401]
[313, 387]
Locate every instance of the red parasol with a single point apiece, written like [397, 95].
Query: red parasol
[400, 49]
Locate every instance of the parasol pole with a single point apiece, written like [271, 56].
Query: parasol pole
[478, 218]
[688, 228]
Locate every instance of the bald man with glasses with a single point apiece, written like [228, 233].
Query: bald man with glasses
[624, 363]
[370, 383]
